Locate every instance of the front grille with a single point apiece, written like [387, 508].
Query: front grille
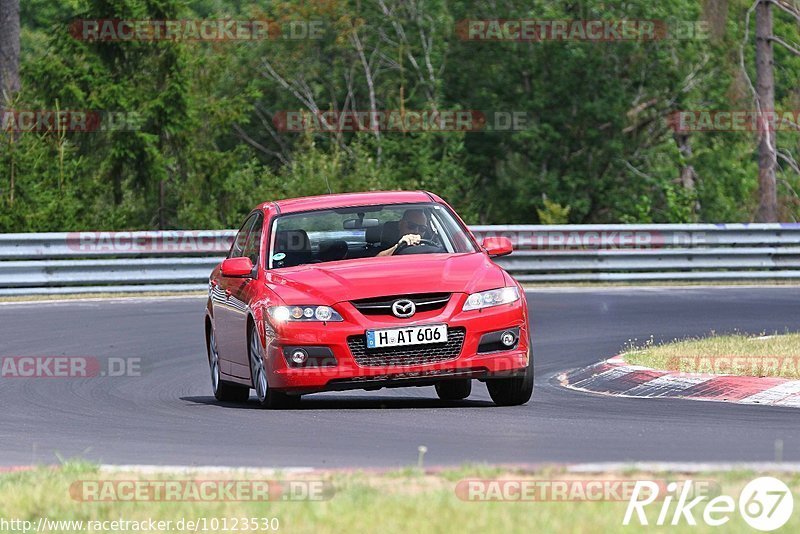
[383, 305]
[409, 355]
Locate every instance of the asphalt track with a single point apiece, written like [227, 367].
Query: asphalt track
[167, 415]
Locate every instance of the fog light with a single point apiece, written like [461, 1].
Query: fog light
[299, 356]
[508, 338]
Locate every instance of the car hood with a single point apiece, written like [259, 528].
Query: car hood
[333, 282]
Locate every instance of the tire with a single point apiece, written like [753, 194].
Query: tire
[265, 395]
[512, 391]
[223, 391]
[453, 390]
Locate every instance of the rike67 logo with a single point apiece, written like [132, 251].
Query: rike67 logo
[765, 504]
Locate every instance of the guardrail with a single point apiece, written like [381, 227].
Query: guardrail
[92, 262]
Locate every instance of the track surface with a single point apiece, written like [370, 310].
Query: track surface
[167, 415]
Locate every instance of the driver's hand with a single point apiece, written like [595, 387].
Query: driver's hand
[410, 240]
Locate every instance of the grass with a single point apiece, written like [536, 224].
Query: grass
[400, 501]
[737, 354]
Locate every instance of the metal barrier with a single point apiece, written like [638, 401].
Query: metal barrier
[92, 262]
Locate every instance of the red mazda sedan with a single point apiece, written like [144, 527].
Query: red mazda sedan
[364, 291]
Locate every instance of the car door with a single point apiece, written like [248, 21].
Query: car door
[228, 310]
[242, 292]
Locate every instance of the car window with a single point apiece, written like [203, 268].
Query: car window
[354, 233]
[239, 243]
[252, 249]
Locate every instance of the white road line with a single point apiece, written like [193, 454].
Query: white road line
[793, 401]
[589, 467]
[619, 361]
[609, 374]
[684, 467]
[667, 383]
[187, 469]
[773, 394]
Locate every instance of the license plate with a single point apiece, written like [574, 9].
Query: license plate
[410, 335]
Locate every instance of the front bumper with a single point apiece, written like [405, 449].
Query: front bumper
[346, 373]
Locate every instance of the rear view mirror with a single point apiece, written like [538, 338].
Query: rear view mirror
[237, 268]
[358, 224]
[498, 246]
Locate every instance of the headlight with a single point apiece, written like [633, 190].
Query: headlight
[494, 297]
[282, 314]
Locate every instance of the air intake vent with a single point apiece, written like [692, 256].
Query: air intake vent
[411, 355]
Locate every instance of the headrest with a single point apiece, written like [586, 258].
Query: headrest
[292, 241]
[332, 250]
[390, 233]
[373, 234]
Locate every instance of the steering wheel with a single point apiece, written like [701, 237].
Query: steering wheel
[403, 246]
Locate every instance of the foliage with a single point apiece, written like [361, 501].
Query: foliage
[596, 146]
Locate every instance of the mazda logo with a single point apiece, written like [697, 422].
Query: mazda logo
[403, 308]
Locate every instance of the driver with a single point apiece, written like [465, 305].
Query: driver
[413, 225]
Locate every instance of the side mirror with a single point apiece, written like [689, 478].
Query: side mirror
[498, 246]
[237, 268]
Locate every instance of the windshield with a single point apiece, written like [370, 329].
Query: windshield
[365, 232]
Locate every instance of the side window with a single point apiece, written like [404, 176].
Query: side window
[237, 250]
[253, 247]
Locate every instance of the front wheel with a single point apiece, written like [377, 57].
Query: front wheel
[512, 391]
[453, 390]
[223, 391]
[267, 397]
